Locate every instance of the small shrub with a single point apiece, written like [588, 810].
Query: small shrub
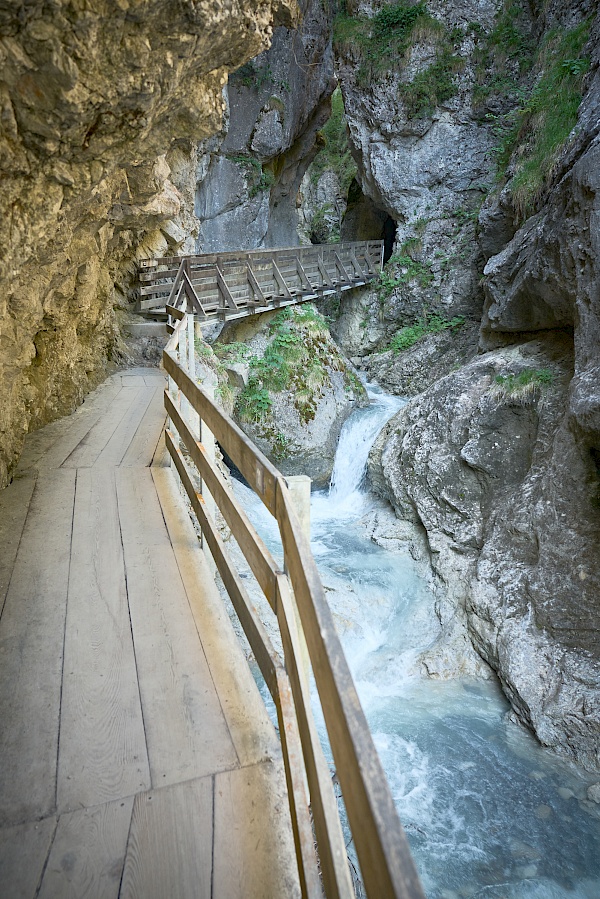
[335, 153]
[408, 336]
[254, 402]
[526, 382]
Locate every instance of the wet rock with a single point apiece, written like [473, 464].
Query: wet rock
[496, 482]
[593, 793]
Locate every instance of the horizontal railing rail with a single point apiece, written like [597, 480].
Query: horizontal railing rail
[297, 598]
[232, 285]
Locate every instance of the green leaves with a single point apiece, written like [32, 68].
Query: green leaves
[407, 337]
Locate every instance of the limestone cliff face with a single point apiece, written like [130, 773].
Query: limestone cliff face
[100, 111]
[497, 463]
[423, 147]
[249, 176]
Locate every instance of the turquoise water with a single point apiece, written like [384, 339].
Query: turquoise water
[488, 812]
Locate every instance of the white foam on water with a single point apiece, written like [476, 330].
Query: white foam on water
[466, 782]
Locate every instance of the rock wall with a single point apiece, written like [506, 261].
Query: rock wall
[249, 176]
[100, 109]
[497, 463]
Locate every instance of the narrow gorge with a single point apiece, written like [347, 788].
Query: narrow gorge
[466, 136]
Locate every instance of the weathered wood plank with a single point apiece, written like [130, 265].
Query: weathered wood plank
[31, 649]
[49, 447]
[120, 441]
[85, 454]
[88, 853]
[23, 853]
[14, 505]
[170, 846]
[186, 731]
[255, 858]
[249, 725]
[259, 640]
[306, 858]
[102, 750]
[143, 446]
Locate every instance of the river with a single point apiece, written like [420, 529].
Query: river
[487, 811]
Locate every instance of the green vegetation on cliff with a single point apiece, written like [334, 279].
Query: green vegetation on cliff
[296, 358]
[383, 44]
[532, 135]
[334, 154]
[406, 337]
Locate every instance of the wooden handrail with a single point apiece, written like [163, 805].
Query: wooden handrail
[231, 285]
[386, 864]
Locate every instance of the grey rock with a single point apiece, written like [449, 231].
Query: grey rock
[503, 490]
[593, 793]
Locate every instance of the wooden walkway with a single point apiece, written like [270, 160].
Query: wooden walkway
[222, 286]
[136, 756]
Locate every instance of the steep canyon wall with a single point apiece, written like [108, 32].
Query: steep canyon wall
[101, 109]
[495, 461]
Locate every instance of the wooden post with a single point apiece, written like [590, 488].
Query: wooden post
[299, 487]
[208, 442]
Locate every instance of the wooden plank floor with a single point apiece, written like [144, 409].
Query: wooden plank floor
[136, 756]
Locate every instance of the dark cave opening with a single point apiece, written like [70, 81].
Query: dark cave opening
[364, 221]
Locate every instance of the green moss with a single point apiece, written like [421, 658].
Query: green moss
[296, 358]
[434, 324]
[258, 179]
[401, 269]
[432, 86]
[382, 43]
[334, 154]
[534, 134]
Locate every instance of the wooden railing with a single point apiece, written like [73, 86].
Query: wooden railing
[232, 285]
[386, 864]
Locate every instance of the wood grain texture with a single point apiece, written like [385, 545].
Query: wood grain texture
[93, 442]
[143, 445]
[102, 750]
[31, 653]
[186, 731]
[169, 855]
[14, 504]
[23, 853]
[50, 446]
[254, 849]
[249, 725]
[88, 853]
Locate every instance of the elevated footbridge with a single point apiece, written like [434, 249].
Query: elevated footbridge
[222, 286]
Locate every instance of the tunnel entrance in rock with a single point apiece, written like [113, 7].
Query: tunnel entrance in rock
[363, 220]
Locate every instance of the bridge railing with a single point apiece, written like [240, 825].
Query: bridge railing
[384, 857]
[231, 285]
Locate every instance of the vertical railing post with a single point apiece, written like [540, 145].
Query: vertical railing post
[299, 488]
[208, 442]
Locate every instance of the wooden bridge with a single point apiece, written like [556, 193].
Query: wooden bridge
[232, 285]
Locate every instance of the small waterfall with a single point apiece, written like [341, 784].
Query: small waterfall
[346, 496]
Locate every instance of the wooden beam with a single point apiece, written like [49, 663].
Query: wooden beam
[257, 555]
[330, 839]
[386, 864]
[260, 473]
[228, 301]
[255, 285]
[281, 281]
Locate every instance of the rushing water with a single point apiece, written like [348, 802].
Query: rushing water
[488, 813]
